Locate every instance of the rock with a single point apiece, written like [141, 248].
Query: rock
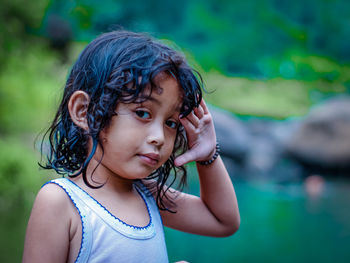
[254, 148]
[323, 137]
[230, 133]
[266, 157]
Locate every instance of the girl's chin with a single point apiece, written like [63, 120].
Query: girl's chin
[136, 175]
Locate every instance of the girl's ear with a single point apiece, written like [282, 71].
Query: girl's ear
[78, 106]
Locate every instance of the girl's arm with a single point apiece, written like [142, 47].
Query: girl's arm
[215, 212]
[47, 236]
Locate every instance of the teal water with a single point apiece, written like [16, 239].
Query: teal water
[279, 223]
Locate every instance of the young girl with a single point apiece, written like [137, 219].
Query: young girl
[131, 116]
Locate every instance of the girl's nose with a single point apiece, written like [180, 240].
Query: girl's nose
[156, 135]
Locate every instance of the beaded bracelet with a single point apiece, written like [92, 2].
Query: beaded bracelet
[216, 154]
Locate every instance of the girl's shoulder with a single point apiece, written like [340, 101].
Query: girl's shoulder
[51, 194]
[53, 200]
[50, 225]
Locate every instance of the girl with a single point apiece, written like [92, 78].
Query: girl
[131, 116]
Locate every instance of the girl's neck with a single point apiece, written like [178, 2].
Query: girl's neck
[110, 181]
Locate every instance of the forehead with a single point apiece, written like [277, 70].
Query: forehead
[165, 79]
[167, 90]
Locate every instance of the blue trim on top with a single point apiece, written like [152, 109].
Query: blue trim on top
[118, 219]
[144, 187]
[81, 217]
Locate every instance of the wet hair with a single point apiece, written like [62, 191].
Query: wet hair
[118, 67]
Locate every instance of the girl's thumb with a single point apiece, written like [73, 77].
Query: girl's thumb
[185, 158]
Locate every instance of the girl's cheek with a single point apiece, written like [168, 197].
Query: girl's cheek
[171, 146]
[171, 138]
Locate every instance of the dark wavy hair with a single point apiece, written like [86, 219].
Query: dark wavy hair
[104, 70]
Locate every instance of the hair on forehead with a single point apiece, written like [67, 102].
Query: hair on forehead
[118, 66]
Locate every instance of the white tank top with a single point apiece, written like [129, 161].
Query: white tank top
[106, 238]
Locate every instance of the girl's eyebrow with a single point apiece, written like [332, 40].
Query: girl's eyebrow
[154, 100]
[158, 102]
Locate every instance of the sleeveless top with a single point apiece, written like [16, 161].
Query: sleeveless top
[106, 238]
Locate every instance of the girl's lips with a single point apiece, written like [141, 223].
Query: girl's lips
[150, 158]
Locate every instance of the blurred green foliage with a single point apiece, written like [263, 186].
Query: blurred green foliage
[30, 84]
[263, 58]
[270, 58]
[18, 173]
[234, 37]
[17, 18]
[305, 80]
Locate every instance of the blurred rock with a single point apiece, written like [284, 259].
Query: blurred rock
[266, 157]
[255, 148]
[322, 141]
[231, 134]
[287, 150]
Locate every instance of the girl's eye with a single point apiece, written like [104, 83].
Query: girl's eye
[171, 124]
[143, 114]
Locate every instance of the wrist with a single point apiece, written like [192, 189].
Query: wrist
[214, 156]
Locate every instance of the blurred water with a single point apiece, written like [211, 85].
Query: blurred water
[279, 223]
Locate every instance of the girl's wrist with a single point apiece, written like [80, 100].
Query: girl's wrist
[214, 156]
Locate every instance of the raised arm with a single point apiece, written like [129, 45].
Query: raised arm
[215, 212]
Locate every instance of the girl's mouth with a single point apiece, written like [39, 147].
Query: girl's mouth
[150, 158]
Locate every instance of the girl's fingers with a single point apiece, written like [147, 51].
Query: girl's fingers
[193, 119]
[199, 112]
[204, 106]
[188, 125]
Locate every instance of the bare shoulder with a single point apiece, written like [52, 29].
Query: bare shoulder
[48, 230]
[52, 201]
[52, 196]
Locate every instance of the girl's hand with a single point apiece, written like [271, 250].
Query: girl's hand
[201, 136]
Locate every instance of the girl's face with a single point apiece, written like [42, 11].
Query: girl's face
[140, 138]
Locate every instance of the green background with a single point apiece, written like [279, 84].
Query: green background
[271, 59]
